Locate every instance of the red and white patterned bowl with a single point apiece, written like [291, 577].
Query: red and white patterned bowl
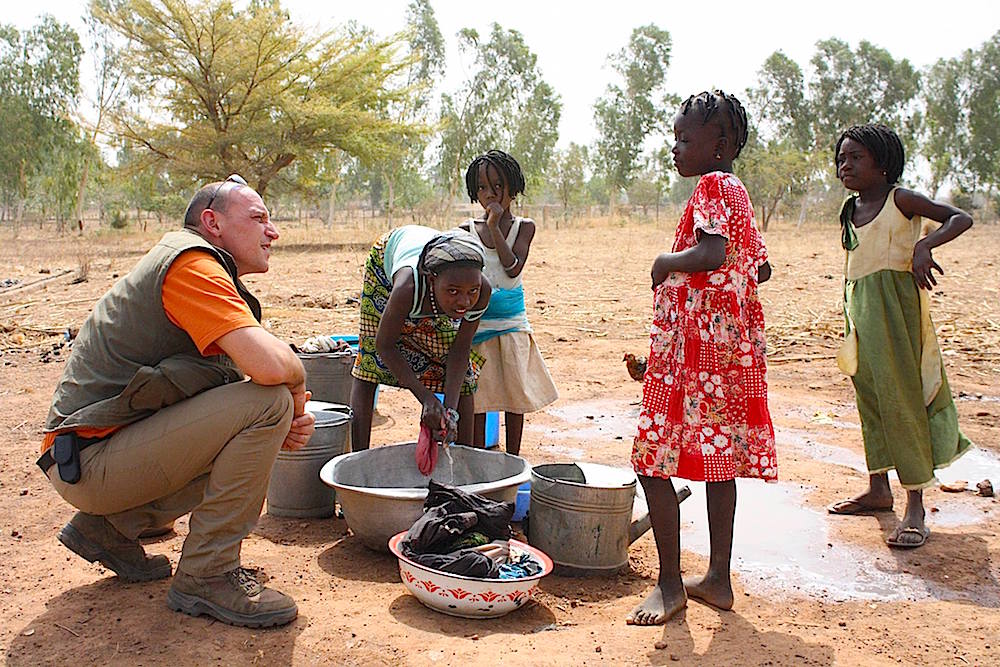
[468, 597]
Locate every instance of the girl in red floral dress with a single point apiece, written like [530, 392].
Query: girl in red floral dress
[704, 406]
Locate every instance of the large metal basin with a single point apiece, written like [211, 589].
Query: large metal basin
[381, 491]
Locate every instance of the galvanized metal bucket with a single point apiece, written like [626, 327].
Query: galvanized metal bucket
[295, 489]
[329, 375]
[581, 516]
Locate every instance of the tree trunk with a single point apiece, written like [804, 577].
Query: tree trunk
[803, 207]
[333, 204]
[84, 175]
[390, 198]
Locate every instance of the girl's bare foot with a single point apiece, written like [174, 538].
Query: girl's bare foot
[658, 608]
[717, 593]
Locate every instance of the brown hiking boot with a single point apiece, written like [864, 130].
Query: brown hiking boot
[95, 539]
[234, 597]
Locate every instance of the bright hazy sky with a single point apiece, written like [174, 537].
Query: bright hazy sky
[716, 44]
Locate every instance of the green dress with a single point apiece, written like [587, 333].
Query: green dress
[908, 418]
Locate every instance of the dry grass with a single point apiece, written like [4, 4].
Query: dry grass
[586, 279]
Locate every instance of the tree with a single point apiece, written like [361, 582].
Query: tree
[961, 138]
[780, 159]
[865, 86]
[778, 105]
[630, 111]
[57, 182]
[568, 176]
[110, 80]
[218, 89]
[504, 104]
[427, 62]
[984, 116]
[773, 173]
[39, 84]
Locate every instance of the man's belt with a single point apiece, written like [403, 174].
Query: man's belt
[76, 444]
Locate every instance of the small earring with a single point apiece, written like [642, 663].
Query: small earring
[718, 156]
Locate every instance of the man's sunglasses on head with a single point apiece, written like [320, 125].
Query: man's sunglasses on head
[232, 178]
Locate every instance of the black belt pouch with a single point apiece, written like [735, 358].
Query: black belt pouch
[66, 454]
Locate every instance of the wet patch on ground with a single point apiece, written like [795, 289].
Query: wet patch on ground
[782, 545]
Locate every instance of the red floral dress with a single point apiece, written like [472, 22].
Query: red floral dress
[704, 401]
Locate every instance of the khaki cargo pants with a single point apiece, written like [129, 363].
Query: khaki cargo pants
[210, 455]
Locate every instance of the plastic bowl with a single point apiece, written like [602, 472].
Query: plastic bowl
[468, 597]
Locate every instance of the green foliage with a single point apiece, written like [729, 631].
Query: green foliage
[863, 86]
[628, 112]
[568, 176]
[503, 104]
[777, 106]
[39, 84]
[217, 89]
[117, 219]
[57, 182]
[397, 178]
[962, 136]
[774, 173]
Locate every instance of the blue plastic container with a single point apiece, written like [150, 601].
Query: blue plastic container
[522, 502]
[492, 429]
[350, 340]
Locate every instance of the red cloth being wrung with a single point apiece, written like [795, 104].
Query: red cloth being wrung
[427, 451]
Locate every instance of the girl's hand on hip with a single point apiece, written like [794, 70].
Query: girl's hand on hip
[924, 266]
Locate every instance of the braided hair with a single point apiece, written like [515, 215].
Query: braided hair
[710, 103]
[882, 142]
[506, 166]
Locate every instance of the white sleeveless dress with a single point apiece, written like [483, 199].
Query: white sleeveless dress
[514, 377]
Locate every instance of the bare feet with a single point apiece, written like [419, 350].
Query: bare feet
[717, 593]
[658, 608]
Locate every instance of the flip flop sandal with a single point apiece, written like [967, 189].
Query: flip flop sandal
[853, 507]
[922, 534]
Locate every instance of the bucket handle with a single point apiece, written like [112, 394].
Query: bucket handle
[640, 525]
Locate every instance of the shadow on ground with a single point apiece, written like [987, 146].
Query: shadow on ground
[112, 622]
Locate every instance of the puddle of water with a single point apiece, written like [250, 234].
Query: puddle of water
[799, 559]
[953, 509]
[805, 442]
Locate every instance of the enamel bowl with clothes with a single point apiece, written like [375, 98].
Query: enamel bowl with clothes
[471, 597]
[458, 557]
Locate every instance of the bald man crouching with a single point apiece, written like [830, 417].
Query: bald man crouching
[154, 416]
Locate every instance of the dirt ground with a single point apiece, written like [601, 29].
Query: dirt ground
[589, 301]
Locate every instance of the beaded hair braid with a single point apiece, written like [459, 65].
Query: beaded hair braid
[710, 103]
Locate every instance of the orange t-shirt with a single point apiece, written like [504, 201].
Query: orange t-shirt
[200, 298]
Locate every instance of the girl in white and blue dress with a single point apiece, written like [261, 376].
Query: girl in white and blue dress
[514, 379]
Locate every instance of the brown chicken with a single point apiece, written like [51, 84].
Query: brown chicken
[636, 366]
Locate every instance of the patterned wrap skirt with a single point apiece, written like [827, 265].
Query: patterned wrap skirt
[424, 342]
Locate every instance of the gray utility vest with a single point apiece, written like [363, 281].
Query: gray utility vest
[129, 360]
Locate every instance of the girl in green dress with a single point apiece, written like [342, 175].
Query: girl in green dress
[908, 419]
